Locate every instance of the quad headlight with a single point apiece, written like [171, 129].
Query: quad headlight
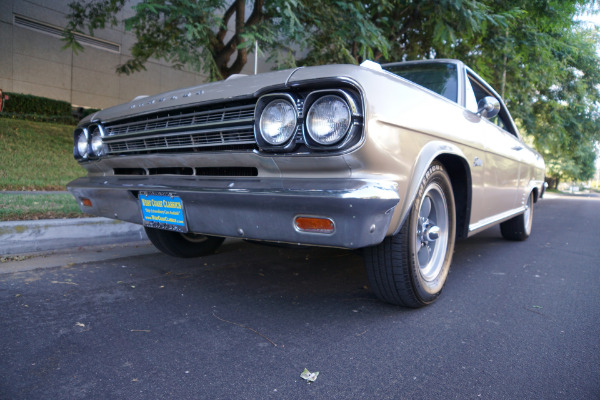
[305, 121]
[82, 146]
[278, 122]
[328, 120]
[97, 145]
[89, 143]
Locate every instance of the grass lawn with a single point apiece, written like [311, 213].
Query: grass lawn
[14, 207]
[36, 156]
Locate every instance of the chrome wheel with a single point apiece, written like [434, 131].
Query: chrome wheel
[411, 267]
[431, 240]
[528, 215]
[194, 237]
[519, 227]
[183, 245]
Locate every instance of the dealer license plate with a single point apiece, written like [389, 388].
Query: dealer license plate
[163, 210]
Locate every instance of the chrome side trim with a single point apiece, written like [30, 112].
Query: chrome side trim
[495, 219]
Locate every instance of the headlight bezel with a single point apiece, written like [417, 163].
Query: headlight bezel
[97, 132]
[301, 142]
[353, 129]
[78, 152]
[88, 133]
[261, 105]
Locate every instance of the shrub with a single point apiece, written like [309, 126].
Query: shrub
[57, 119]
[42, 109]
[28, 104]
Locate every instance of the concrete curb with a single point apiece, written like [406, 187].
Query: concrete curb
[21, 237]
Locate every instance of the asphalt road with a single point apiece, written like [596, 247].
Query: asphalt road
[515, 321]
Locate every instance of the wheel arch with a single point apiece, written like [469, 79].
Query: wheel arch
[456, 165]
[460, 177]
[532, 187]
[536, 194]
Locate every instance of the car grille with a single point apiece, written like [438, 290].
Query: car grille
[228, 127]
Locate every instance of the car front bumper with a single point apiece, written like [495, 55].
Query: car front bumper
[254, 208]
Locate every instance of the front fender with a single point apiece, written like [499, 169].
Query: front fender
[429, 153]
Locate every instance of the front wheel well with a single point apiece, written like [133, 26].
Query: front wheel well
[460, 177]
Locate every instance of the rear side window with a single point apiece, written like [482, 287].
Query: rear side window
[441, 78]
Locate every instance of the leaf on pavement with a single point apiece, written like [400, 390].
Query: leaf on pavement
[309, 376]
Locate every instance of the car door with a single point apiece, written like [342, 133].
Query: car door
[503, 156]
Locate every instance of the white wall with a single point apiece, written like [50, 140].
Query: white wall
[32, 62]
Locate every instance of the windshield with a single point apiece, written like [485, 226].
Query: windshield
[437, 77]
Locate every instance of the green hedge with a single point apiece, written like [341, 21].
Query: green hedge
[57, 119]
[42, 109]
[27, 104]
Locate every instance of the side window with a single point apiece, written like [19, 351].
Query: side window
[471, 101]
[479, 92]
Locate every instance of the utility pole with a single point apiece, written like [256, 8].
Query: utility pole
[255, 57]
[505, 62]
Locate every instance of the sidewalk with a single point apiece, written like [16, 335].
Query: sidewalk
[22, 237]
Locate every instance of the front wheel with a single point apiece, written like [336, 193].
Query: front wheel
[183, 245]
[410, 268]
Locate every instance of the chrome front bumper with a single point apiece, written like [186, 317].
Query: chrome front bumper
[254, 208]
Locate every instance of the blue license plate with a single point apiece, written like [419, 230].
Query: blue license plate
[162, 211]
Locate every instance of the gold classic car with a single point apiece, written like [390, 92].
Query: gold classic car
[397, 159]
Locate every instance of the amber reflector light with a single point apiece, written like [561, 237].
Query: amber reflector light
[86, 202]
[314, 224]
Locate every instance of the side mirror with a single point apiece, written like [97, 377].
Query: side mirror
[488, 107]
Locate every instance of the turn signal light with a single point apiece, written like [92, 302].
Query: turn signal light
[86, 202]
[314, 224]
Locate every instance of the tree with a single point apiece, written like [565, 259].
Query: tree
[550, 68]
[542, 60]
[212, 36]
[392, 30]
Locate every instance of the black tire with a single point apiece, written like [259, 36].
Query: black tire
[410, 268]
[183, 245]
[519, 227]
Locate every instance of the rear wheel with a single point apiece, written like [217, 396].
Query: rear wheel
[410, 268]
[183, 245]
[519, 227]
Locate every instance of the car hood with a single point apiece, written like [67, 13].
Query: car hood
[235, 87]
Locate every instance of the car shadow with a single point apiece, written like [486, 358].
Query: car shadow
[243, 272]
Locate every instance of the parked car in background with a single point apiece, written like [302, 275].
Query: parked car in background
[399, 160]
